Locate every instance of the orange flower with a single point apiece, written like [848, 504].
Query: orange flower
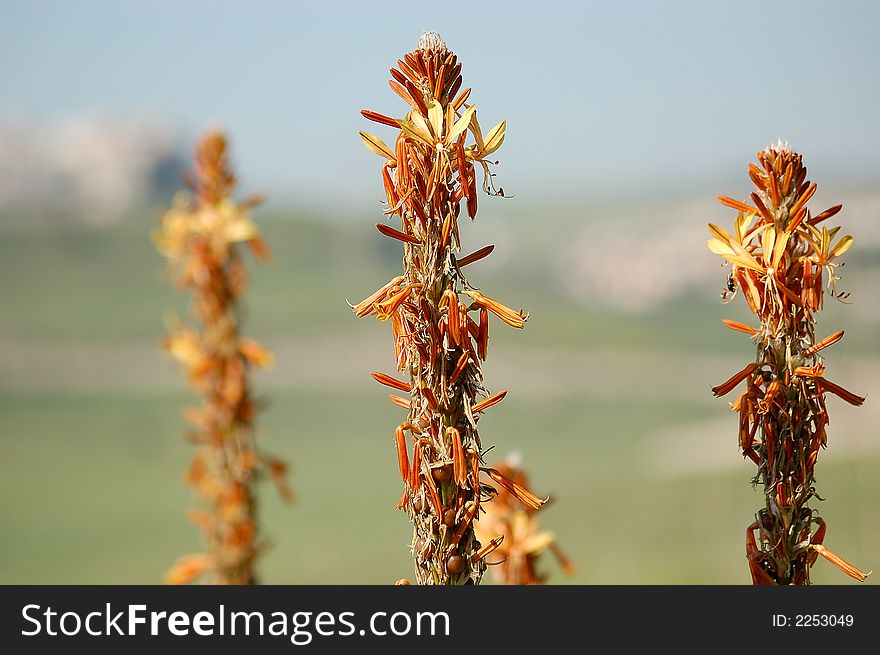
[427, 174]
[202, 238]
[510, 529]
[506, 314]
[777, 257]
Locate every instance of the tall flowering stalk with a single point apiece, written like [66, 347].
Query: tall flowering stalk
[428, 174]
[781, 258]
[515, 561]
[202, 238]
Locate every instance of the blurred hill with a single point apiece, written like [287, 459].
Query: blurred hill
[91, 168]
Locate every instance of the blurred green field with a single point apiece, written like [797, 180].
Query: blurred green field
[608, 411]
[108, 285]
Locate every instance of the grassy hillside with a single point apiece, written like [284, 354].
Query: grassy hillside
[611, 412]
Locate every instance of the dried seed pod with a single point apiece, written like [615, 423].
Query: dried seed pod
[202, 239]
[442, 473]
[426, 175]
[779, 259]
[455, 564]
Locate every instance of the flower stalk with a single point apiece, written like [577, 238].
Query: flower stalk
[202, 239]
[439, 322]
[782, 258]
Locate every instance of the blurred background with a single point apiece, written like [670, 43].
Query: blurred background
[625, 120]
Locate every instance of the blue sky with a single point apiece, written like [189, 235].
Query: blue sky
[602, 99]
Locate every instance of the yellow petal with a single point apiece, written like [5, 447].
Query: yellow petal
[720, 248]
[477, 132]
[842, 246]
[825, 244]
[461, 124]
[495, 138]
[745, 262]
[538, 542]
[256, 353]
[746, 256]
[421, 126]
[768, 239]
[779, 249]
[741, 225]
[188, 568]
[185, 347]
[719, 233]
[241, 229]
[409, 128]
[378, 146]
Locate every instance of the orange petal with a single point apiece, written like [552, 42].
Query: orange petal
[400, 402]
[277, 470]
[491, 400]
[432, 490]
[483, 335]
[416, 466]
[389, 381]
[400, 90]
[459, 368]
[802, 201]
[459, 464]
[380, 118]
[506, 314]
[476, 256]
[446, 229]
[389, 231]
[736, 204]
[522, 494]
[452, 315]
[840, 563]
[767, 400]
[814, 371]
[824, 343]
[828, 213]
[487, 549]
[465, 523]
[385, 309]
[431, 398]
[402, 457]
[260, 249]
[740, 327]
[564, 562]
[840, 392]
[188, 568]
[726, 387]
[367, 306]
[256, 354]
